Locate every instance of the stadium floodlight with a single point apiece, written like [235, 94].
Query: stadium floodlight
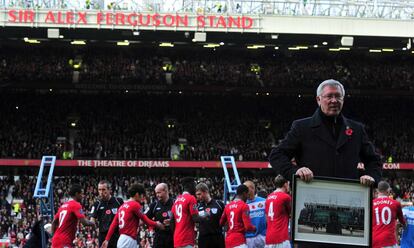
[211, 45]
[344, 48]
[347, 41]
[78, 42]
[276, 48]
[274, 36]
[374, 51]
[123, 43]
[31, 41]
[388, 50]
[298, 48]
[315, 46]
[324, 43]
[255, 46]
[166, 44]
[334, 50]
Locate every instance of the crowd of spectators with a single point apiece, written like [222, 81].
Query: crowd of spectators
[139, 127]
[186, 67]
[16, 221]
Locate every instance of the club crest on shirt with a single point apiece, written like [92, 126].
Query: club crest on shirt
[214, 210]
[260, 205]
[208, 210]
[114, 210]
[164, 214]
[108, 211]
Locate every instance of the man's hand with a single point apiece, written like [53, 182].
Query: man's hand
[305, 174]
[367, 180]
[160, 226]
[166, 222]
[104, 244]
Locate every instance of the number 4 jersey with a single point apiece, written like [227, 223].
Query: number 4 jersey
[68, 216]
[184, 207]
[385, 212]
[277, 210]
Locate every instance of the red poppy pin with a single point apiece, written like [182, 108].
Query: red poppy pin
[349, 131]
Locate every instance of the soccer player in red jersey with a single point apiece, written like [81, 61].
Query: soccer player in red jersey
[385, 212]
[185, 214]
[127, 219]
[236, 215]
[277, 209]
[65, 222]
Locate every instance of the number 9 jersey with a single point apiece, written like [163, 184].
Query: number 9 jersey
[68, 216]
[184, 207]
[385, 212]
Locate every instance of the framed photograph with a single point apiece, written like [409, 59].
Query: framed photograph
[331, 211]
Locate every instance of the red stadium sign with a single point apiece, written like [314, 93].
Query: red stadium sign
[167, 164]
[134, 163]
[133, 19]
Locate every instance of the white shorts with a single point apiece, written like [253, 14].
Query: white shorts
[126, 241]
[241, 246]
[284, 244]
[256, 242]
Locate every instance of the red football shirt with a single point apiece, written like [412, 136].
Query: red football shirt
[236, 215]
[385, 212]
[127, 220]
[277, 209]
[68, 216]
[184, 207]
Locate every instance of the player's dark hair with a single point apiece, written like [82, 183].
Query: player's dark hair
[280, 181]
[75, 188]
[242, 189]
[188, 184]
[136, 188]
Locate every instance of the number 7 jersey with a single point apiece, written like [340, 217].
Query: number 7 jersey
[68, 215]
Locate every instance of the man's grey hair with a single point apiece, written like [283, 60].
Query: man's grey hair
[330, 82]
[202, 187]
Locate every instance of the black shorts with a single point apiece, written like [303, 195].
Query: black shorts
[209, 241]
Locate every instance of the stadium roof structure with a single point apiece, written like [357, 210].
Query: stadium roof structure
[145, 38]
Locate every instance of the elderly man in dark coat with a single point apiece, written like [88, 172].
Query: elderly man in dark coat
[327, 144]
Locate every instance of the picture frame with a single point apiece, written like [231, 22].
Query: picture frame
[332, 211]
